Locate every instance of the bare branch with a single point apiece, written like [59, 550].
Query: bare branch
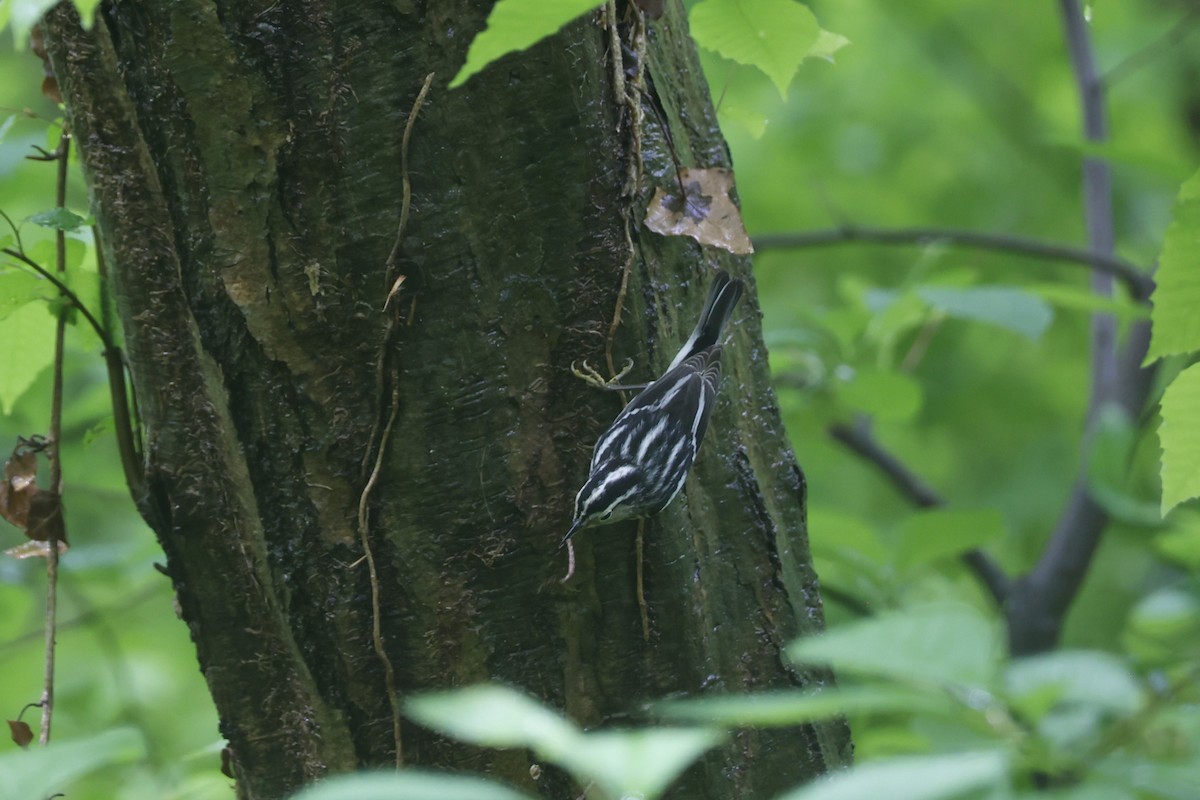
[1044, 595]
[1138, 281]
[858, 437]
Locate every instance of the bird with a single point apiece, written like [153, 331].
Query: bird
[640, 463]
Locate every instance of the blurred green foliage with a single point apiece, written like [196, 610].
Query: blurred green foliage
[973, 366]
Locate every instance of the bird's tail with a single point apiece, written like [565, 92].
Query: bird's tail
[722, 297]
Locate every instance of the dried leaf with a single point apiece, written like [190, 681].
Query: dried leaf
[19, 486]
[395, 290]
[21, 733]
[706, 212]
[34, 550]
[45, 522]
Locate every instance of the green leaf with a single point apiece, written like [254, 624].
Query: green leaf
[22, 15]
[1164, 628]
[59, 219]
[640, 763]
[28, 340]
[494, 716]
[1176, 295]
[1181, 544]
[772, 35]
[1075, 298]
[516, 25]
[43, 771]
[623, 763]
[1077, 677]
[1161, 781]
[408, 784]
[837, 533]
[884, 394]
[784, 708]
[928, 536]
[18, 288]
[1006, 307]
[917, 778]
[1108, 470]
[1179, 435]
[932, 644]
[826, 45]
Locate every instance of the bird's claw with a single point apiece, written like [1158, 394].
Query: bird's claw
[593, 378]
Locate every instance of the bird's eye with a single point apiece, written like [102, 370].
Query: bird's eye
[607, 515]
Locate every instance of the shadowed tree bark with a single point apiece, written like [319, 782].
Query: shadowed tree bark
[245, 163]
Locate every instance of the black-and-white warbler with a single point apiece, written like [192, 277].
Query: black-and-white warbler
[642, 460]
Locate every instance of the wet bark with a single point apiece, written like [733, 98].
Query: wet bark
[244, 160]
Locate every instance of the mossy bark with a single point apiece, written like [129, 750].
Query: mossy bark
[244, 160]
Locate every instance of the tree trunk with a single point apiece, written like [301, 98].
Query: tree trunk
[246, 168]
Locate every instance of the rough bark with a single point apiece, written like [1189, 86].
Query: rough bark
[244, 163]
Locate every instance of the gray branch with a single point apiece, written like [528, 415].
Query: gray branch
[1138, 281]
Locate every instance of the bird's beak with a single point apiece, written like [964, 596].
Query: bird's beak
[574, 528]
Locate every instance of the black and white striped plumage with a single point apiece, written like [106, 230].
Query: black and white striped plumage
[643, 459]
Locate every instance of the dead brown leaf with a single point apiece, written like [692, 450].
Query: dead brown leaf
[706, 211]
[19, 486]
[45, 522]
[21, 733]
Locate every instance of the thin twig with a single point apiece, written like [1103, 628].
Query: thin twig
[65, 291]
[405, 183]
[1138, 281]
[389, 673]
[860, 439]
[379, 446]
[54, 438]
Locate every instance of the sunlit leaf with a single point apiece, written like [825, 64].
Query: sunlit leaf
[515, 25]
[917, 778]
[408, 784]
[827, 45]
[772, 35]
[1177, 293]
[929, 536]
[932, 644]
[1179, 435]
[17, 288]
[27, 335]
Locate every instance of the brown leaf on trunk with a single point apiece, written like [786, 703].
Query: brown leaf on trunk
[21, 733]
[706, 211]
[18, 487]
